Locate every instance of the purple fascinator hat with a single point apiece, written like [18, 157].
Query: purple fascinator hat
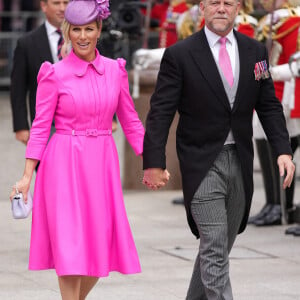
[80, 12]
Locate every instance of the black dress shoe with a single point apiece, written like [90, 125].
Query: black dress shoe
[272, 218]
[264, 211]
[291, 230]
[179, 201]
[297, 231]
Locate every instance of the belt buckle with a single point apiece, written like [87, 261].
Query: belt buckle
[91, 132]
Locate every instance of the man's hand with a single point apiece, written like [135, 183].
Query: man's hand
[155, 178]
[22, 136]
[285, 163]
[114, 126]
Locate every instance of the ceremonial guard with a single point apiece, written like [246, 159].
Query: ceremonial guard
[168, 33]
[190, 21]
[244, 22]
[280, 30]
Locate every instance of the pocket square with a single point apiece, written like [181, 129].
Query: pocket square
[261, 70]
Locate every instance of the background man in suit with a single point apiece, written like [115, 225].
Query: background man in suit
[214, 135]
[31, 51]
[279, 30]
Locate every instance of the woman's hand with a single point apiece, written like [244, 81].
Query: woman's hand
[21, 186]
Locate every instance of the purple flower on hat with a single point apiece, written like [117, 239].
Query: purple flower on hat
[103, 8]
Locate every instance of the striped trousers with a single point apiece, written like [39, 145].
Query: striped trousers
[217, 208]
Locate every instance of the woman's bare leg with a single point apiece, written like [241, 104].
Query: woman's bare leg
[87, 283]
[69, 287]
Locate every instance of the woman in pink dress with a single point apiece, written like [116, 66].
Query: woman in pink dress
[79, 224]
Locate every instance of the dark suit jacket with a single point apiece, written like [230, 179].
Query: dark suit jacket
[189, 82]
[31, 51]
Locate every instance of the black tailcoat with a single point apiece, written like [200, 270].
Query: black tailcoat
[189, 82]
[31, 51]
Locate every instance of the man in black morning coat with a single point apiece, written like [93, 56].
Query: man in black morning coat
[214, 136]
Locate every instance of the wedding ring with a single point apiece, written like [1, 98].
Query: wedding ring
[16, 187]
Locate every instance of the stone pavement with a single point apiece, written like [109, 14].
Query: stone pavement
[265, 263]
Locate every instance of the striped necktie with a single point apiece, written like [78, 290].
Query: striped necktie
[59, 44]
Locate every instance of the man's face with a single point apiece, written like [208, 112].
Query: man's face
[54, 11]
[219, 15]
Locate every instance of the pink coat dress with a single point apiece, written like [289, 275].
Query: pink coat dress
[79, 222]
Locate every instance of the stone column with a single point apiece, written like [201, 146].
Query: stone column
[133, 173]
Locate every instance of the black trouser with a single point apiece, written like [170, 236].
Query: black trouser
[270, 172]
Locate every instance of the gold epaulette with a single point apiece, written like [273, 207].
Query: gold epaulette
[176, 2]
[275, 36]
[286, 13]
[244, 18]
[186, 29]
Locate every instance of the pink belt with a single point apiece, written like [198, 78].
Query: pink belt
[87, 132]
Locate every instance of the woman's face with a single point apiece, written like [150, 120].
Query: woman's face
[84, 40]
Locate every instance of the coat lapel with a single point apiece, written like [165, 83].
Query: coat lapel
[42, 45]
[246, 56]
[204, 59]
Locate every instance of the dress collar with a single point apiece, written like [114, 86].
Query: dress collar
[80, 66]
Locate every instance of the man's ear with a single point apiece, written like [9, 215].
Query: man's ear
[238, 7]
[201, 5]
[43, 6]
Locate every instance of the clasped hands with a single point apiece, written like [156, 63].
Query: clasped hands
[155, 178]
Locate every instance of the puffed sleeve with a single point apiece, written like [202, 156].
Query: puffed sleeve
[46, 100]
[127, 115]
